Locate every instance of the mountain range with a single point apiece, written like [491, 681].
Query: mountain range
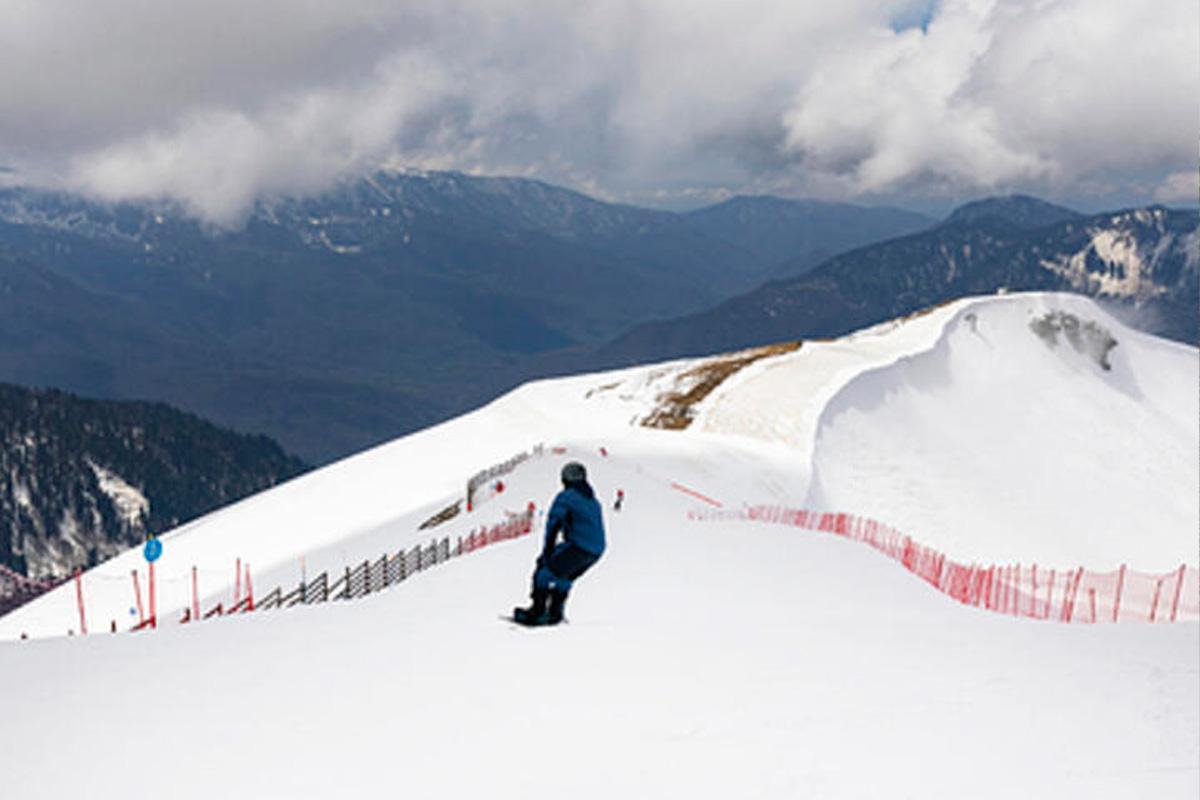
[1143, 263]
[390, 303]
[397, 300]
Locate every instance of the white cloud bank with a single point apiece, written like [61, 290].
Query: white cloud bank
[217, 103]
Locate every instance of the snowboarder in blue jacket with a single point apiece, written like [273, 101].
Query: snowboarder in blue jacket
[576, 514]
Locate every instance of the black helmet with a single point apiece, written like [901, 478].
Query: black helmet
[573, 472]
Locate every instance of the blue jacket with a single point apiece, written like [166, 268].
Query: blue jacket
[576, 512]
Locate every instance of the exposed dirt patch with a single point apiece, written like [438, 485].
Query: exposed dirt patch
[608, 387]
[927, 310]
[1086, 336]
[676, 408]
[445, 515]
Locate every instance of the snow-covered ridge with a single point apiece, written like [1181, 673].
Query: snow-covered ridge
[989, 428]
[961, 426]
[1008, 444]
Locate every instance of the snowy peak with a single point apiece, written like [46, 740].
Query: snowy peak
[1136, 255]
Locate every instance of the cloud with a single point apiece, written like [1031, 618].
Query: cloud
[218, 104]
[1179, 187]
[991, 94]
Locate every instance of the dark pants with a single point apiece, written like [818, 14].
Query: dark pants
[564, 564]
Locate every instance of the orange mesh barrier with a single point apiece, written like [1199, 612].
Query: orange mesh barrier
[1024, 590]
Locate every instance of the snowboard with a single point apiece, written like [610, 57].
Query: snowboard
[512, 618]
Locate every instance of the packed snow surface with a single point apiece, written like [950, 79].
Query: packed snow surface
[701, 659]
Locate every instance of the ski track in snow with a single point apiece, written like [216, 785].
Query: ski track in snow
[707, 660]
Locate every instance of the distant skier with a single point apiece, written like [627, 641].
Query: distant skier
[620, 500]
[575, 513]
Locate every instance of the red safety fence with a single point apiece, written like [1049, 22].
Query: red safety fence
[16, 590]
[517, 525]
[1024, 590]
[354, 582]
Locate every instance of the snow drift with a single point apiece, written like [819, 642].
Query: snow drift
[1020, 428]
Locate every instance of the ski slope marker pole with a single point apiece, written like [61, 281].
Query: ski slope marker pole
[1117, 598]
[1049, 595]
[1157, 591]
[151, 552]
[153, 605]
[137, 593]
[1033, 591]
[1016, 608]
[1174, 603]
[1074, 592]
[83, 621]
[195, 594]
[249, 590]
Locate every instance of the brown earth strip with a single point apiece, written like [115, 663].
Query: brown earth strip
[675, 409]
[446, 514]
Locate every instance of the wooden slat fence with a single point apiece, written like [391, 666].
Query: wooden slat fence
[367, 577]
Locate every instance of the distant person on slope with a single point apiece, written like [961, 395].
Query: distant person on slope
[576, 514]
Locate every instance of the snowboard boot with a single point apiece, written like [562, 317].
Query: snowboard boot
[558, 602]
[536, 613]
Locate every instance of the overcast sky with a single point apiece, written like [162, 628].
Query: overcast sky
[657, 102]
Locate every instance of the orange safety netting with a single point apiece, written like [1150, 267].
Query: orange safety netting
[1025, 590]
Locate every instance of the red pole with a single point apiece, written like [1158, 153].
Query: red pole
[1117, 598]
[153, 606]
[1174, 603]
[249, 590]
[1049, 595]
[1014, 587]
[1075, 591]
[1017, 592]
[137, 592]
[83, 621]
[237, 582]
[1092, 601]
[1003, 589]
[1009, 591]
[1157, 592]
[195, 595]
[1033, 591]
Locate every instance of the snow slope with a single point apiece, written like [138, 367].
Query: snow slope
[966, 429]
[702, 659]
